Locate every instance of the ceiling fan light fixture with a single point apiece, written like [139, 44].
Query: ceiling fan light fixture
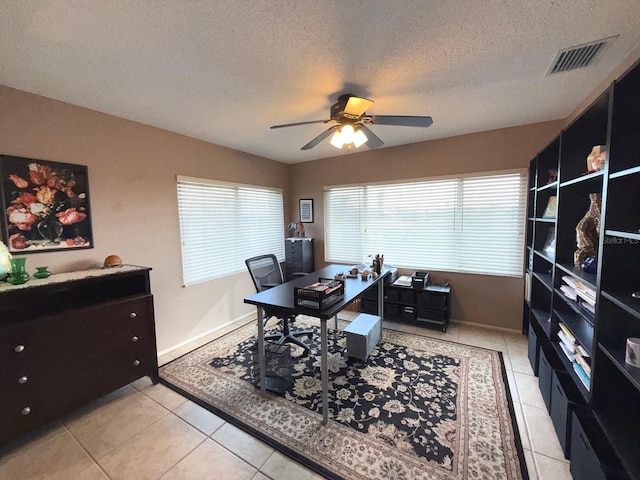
[359, 138]
[336, 140]
[348, 133]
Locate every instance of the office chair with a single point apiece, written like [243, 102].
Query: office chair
[266, 273]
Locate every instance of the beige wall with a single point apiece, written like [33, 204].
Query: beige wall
[488, 300]
[132, 177]
[132, 169]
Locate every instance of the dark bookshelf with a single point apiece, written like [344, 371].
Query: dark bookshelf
[612, 121]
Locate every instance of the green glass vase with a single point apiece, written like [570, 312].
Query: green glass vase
[18, 273]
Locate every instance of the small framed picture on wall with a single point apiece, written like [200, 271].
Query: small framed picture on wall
[306, 210]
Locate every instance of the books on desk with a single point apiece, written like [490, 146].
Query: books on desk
[403, 281]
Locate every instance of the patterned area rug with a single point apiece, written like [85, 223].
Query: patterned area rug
[419, 408]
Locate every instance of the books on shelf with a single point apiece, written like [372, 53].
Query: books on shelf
[586, 293]
[569, 292]
[588, 307]
[584, 362]
[570, 344]
[582, 375]
[567, 332]
[569, 281]
[569, 353]
[582, 351]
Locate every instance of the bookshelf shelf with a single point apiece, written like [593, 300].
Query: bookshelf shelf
[624, 173]
[584, 178]
[612, 121]
[616, 355]
[548, 186]
[624, 301]
[634, 236]
[545, 278]
[588, 278]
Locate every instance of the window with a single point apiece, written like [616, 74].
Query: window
[222, 224]
[470, 224]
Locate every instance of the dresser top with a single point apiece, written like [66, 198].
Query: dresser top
[56, 278]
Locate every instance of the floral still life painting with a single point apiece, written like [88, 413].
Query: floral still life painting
[45, 205]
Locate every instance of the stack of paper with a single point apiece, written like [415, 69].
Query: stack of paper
[567, 342]
[403, 281]
[586, 293]
[584, 360]
[569, 287]
[588, 307]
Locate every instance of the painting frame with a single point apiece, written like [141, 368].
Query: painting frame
[45, 205]
[306, 210]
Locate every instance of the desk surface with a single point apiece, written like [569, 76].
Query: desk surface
[281, 298]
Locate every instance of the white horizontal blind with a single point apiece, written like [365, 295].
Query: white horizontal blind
[402, 219]
[492, 230]
[472, 224]
[343, 224]
[221, 225]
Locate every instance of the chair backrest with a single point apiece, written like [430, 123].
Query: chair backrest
[265, 271]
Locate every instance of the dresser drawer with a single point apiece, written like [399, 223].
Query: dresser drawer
[51, 395]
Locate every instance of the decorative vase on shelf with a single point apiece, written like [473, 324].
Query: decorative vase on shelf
[588, 231]
[18, 273]
[51, 230]
[42, 272]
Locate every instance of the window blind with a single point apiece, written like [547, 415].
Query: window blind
[472, 224]
[221, 225]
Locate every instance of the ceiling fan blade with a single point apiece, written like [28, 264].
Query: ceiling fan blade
[318, 139]
[356, 106]
[372, 139]
[299, 123]
[402, 121]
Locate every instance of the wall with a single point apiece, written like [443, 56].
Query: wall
[488, 300]
[132, 170]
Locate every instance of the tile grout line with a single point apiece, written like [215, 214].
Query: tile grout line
[93, 459]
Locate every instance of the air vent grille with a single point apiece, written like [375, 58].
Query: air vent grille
[578, 56]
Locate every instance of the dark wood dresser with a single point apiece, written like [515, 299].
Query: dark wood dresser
[69, 339]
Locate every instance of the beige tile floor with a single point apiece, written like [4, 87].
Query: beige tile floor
[144, 431]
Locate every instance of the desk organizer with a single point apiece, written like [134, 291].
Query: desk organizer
[320, 295]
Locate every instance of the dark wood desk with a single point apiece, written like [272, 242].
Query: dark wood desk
[281, 299]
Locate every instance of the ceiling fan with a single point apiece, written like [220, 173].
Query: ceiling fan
[350, 124]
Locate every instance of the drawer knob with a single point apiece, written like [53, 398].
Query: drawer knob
[136, 363]
[26, 410]
[134, 339]
[133, 315]
[22, 380]
[19, 349]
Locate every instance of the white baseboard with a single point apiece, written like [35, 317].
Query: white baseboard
[208, 332]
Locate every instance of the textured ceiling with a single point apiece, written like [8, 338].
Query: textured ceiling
[225, 70]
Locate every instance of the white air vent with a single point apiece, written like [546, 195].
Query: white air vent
[578, 56]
